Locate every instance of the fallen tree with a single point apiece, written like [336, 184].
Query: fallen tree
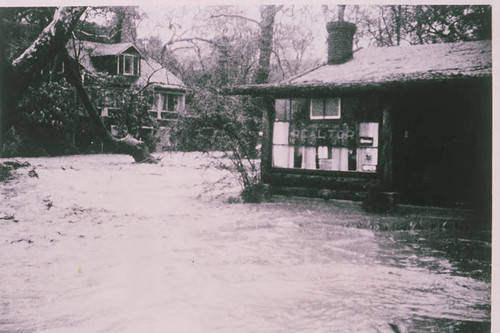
[17, 76]
[128, 144]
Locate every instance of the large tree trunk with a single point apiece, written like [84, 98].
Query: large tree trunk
[268, 14]
[16, 77]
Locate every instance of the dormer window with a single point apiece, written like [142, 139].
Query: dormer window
[128, 64]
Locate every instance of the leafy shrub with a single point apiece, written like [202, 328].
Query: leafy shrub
[229, 124]
[255, 193]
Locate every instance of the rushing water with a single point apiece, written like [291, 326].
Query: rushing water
[459, 267]
[350, 280]
[97, 261]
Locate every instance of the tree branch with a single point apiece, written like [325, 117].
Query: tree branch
[52, 38]
[191, 40]
[235, 16]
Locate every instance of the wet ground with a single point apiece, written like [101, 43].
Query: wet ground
[98, 244]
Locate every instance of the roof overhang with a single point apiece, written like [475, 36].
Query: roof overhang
[308, 89]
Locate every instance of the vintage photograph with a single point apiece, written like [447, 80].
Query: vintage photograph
[246, 168]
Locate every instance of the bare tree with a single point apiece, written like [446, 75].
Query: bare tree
[292, 42]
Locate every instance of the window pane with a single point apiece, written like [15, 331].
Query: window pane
[172, 102]
[332, 109]
[316, 108]
[283, 156]
[300, 109]
[119, 67]
[163, 102]
[282, 107]
[280, 133]
[323, 152]
[137, 66]
[128, 64]
[309, 158]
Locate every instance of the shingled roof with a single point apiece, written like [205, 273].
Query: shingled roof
[385, 67]
[151, 71]
[101, 49]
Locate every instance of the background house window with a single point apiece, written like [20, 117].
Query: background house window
[164, 102]
[172, 102]
[110, 104]
[168, 105]
[128, 64]
[325, 108]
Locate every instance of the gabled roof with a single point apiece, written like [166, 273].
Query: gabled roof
[100, 49]
[151, 71]
[389, 67]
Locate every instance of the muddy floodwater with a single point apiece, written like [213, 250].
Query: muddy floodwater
[99, 244]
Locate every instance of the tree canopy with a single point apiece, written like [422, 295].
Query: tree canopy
[232, 45]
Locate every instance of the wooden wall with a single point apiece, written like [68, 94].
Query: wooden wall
[435, 147]
[442, 144]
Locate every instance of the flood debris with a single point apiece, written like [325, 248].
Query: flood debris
[32, 173]
[7, 216]
[7, 166]
[29, 241]
[48, 203]
[17, 164]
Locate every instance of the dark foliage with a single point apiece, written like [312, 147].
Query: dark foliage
[21, 25]
[59, 123]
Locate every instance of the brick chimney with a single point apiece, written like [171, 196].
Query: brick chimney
[340, 36]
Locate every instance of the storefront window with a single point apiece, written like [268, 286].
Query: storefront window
[282, 107]
[323, 141]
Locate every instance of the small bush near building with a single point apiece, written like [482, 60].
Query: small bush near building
[255, 193]
[221, 123]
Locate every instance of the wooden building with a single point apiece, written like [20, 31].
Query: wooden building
[124, 60]
[412, 122]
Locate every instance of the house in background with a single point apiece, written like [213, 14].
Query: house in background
[413, 122]
[126, 61]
